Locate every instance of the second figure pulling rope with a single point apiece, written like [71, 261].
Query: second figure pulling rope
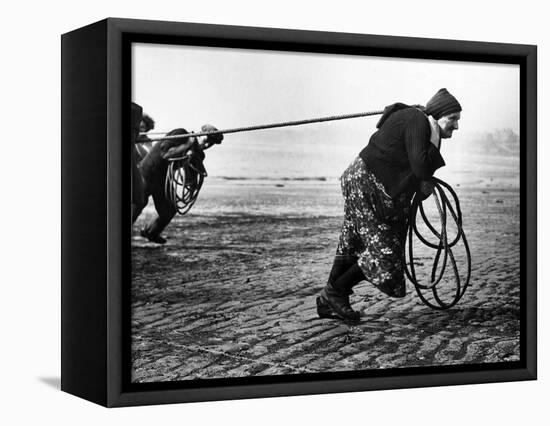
[153, 169]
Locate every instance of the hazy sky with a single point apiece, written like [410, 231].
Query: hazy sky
[189, 86]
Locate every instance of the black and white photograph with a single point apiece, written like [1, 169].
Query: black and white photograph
[275, 213]
[296, 213]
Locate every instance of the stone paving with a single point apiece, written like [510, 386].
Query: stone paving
[234, 296]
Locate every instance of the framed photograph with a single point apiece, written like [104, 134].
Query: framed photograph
[253, 212]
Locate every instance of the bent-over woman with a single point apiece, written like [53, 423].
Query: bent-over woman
[398, 161]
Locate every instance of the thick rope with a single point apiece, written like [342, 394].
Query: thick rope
[443, 247]
[268, 126]
[183, 183]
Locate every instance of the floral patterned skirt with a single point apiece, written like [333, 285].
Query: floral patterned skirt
[374, 229]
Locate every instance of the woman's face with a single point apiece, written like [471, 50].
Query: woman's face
[448, 123]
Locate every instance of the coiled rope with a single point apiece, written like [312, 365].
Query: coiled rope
[444, 247]
[183, 183]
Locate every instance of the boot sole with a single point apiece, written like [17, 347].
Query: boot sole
[325, 311]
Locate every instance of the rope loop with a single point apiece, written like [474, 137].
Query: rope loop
[443, 247]
[183, 183]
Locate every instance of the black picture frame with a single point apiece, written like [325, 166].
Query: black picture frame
[95, 207]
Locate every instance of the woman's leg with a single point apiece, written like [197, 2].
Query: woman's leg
[373, 235]
[376, 231]
[334, 299]
[165, 212]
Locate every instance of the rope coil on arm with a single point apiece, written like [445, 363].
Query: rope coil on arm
[183, 183]
[444, 247]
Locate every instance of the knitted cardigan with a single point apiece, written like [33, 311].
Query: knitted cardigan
[400, 153]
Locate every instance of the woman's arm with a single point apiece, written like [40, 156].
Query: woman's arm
[178, 150]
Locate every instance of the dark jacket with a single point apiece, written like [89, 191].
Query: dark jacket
[155, 164]
[400, 153]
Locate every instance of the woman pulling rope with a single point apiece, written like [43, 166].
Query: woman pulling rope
[399, 161]
[153, 169]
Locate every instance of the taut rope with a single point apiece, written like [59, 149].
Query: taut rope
[183, 181]
[269, 126]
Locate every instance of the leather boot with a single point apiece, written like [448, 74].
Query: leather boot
[336, 295]
[153, 238]
[349, 279]
[341, 264]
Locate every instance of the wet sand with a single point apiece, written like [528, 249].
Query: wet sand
[232, 293]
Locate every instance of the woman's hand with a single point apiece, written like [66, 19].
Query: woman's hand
[212, 139]
[426, 188]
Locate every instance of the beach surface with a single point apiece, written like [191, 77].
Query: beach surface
[232, 293]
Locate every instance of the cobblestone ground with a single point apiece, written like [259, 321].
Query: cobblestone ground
[234, 296]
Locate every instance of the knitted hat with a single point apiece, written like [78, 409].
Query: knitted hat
[442, 103]
[149, 122]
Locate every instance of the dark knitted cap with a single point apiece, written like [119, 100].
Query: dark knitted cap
[149, 122]
[442, 103]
